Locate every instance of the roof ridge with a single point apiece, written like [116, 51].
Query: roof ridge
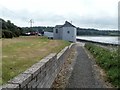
[66, 24]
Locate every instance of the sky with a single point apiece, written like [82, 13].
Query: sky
[99, 14]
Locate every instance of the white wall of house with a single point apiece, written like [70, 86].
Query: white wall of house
[61, 33]
[69, 34]
[56, 34]
[65, 32]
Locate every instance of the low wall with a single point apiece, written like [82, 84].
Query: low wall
[41, 74]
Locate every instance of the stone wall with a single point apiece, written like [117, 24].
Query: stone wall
[41, 74]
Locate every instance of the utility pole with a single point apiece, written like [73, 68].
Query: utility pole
[31, 22]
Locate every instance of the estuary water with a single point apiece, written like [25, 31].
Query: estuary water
[103, 39]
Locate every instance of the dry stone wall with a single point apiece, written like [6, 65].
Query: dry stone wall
[41, 74]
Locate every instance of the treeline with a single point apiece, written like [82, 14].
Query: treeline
[84, 31]
[26, 31]
[37, 29]
[95, 32]
[43, 28]
[9, 30]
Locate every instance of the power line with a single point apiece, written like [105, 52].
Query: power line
[31, 22]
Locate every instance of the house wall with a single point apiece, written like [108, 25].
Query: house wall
[57, 35]
[71, 36]
[61, 33]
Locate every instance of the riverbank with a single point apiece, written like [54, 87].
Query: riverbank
[104, 40]
[102, 43]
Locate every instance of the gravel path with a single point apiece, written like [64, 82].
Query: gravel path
[83, 75]
[63, 77]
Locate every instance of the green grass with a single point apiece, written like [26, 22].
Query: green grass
[108, 60]
[18, 54]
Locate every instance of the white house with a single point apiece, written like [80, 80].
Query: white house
[65, 32]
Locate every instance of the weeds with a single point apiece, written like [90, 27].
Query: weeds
[108, 60]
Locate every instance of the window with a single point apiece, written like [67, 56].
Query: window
[68, 32]
[56, 30]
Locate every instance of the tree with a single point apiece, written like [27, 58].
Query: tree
[7, 34]
[9, 29]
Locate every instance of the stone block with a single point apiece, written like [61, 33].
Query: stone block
[41, 76]
[40, 83]
[21, 79]
[10, 87]
[46, 59]
[32, 83]
[35, 69]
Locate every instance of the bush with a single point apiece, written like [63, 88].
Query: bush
[16, 33]
[7, 34]
[108, 60]
[113, 76]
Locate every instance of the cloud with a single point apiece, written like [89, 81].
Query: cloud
[100, 23]
[83, 13]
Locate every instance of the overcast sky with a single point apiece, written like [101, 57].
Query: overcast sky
[99, 14]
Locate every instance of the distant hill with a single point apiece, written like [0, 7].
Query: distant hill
[94, 32]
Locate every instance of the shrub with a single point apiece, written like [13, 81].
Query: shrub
[16, 33]
[108, 60]
[7, 34]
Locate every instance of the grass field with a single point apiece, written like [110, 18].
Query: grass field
[108, 60]
[18, 54]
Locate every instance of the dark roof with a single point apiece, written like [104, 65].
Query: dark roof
[58, 26]
[67, 24]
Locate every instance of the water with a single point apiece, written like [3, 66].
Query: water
[103, 39]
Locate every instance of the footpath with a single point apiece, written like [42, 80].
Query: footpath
[83, 74]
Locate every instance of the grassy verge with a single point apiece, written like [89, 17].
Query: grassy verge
[108, 60]
[18, 54]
